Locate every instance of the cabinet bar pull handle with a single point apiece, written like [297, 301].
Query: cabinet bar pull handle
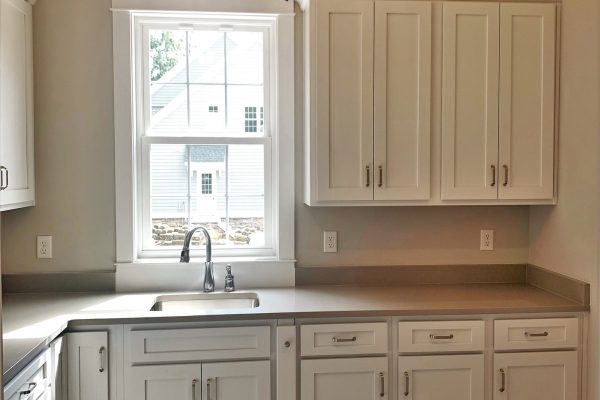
[380, 176]
[505, 175]
[101, 357]
[533, 334]
[406, 383]
[3, 183]
[208, 384]
[502, 380]
[194, 383]
[30, 388]
[441, 337]
[382, 382]
[343, 340]
[368, 176]
[493, 175]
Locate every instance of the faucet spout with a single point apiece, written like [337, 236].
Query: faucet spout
[209, 278]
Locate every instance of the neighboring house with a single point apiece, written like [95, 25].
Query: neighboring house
[192, 180]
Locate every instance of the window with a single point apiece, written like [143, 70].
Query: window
[190, 71]
[206, 183]
[183, 79]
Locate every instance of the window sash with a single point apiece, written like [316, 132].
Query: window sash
[202, 24]
[146, 247]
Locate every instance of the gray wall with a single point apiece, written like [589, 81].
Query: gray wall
[75, 175]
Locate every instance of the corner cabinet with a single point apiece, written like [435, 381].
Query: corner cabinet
[429, 103]
[16, 105]
[367, 76]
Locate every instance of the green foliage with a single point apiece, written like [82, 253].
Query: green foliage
[165, 52]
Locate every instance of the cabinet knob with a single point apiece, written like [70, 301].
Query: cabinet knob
[287, 344]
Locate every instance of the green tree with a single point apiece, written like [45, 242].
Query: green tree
[165, 52]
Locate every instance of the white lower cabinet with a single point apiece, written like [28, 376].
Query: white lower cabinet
[537, 375]
[446, 377]
[345, 379]
[87, 366]
[211, 381]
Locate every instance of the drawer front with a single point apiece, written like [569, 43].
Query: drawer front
[33, 383]
[440, 336]
[548, 333]
[339, 339]
[156, 346]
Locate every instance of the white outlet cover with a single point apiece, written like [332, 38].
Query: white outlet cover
[330, 242]
[487, 240]
[44, 247]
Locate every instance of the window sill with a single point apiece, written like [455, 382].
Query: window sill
[171, 275]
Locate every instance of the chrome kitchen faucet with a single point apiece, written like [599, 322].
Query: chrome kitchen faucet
[209, 277]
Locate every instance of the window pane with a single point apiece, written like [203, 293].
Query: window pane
[207, 57]
[245, 58]
[220, 187]
[245, 110]
[167, 56]
[169, 109]
[207, 109]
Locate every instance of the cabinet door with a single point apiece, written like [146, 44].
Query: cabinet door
[164, 382]
[470, 101]
[248, 380]
[344, 379]
[344, 127]
[526, 376]
[527, 81]
[448, 377]
[16, 103]
[402, 100]
[87, 366]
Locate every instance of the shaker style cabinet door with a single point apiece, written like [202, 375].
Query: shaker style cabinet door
[542, 375]
[16, 105]
[248, 380]
[527, 82]
[344, 96]
[470, 101]
[87, 366]
[164, 382]
[447, 377]
[402, 100]
[344, 379]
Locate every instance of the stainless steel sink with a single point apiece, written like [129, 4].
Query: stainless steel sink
[205, 301]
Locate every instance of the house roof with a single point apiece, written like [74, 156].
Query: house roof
[209, 153]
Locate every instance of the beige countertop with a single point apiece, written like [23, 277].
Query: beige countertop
[32, 321]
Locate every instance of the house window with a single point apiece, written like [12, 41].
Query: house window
[204, 91]
[206, 183]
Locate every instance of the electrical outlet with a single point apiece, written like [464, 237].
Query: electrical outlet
[330, 242]
[44, 247]
[487, 240]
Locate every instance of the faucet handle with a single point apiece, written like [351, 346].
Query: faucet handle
[229, 283]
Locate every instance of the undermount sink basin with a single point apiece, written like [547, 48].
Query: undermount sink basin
[205, 301]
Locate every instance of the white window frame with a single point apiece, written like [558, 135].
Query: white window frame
[142, 24]
[128, 144]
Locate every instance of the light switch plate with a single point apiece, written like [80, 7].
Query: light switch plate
[44, 247]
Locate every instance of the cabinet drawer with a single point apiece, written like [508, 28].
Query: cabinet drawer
[549, 333]
[155, 346]
[33, 382]
[440, 336]
[338, 339]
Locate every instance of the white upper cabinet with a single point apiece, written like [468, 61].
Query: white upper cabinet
[374, 134]
[470, 101]
[344, 100]
[527, 81]
[402, 100]
[16, 105]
